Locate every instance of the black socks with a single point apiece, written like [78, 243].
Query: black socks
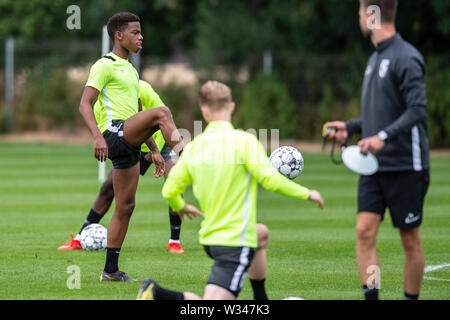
[93, 217]
[370, 294]
[259, 290]
[411, 296]
[175, 226]
[112, 260]
[164, 294]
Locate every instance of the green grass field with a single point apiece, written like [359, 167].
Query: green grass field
[46, 192]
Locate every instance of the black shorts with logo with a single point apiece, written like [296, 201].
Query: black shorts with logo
[402, 192]
[167, 153]
[230, 266]
[122, 155]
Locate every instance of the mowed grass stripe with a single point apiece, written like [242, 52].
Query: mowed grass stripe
[46, 192]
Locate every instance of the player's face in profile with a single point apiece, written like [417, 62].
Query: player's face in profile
[132, 37]
[363, 20]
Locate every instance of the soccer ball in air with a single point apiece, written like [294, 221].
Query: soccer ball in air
[288, 161]
[93, 237]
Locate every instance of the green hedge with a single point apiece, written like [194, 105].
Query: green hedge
[48, 100]
[297, 99]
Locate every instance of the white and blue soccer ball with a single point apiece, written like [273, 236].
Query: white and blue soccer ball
[288, 161]
[94, 237]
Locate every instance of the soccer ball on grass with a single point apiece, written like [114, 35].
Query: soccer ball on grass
[93, 237]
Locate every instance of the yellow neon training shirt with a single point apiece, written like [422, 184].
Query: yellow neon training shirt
[224, 166]
[149, 99]
[118, 83]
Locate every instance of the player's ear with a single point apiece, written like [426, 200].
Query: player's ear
[205, 112]
[232, 107]
[118, 35]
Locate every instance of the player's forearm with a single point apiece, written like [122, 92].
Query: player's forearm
[173, 197]
[151, 144]
[283, 186]
[406, 121]
[89, 118]
[175, 185]
[354, 126]
[270, 179]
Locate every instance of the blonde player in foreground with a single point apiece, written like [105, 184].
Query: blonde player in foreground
[224, 166]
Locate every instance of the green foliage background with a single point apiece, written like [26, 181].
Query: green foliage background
[319, 56]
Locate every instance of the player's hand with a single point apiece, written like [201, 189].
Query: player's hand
[335, 129]
[372, 144]
[191, 212]
[316, 197]
[160, 164]
[100, 148]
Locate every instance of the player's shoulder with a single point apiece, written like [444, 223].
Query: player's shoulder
[144, 86]
[405, 52]
[106, 59]
[242, 135]
[237, 135]
[104, 63]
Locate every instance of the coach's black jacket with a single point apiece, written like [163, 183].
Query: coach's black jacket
[394, 100]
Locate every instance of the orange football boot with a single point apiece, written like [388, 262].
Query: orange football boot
[71, 245]
[174, 247]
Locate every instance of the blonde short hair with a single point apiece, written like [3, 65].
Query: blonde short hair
[214, 94]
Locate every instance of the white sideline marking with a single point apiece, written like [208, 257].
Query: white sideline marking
[433, 268]
[439, 279]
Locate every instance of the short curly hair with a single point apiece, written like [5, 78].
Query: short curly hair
[118, 21]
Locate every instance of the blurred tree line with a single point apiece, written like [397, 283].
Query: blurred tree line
[318, 54]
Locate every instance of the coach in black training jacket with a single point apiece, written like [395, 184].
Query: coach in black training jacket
[394, 106]
[393, 125]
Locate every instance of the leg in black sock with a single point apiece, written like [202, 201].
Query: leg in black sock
[175, 225]
[112, 260]
[370, 294]
[93, 217]
[411, 296]
[259, 290]
[164, 294]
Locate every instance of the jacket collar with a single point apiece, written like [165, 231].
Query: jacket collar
[381, 46]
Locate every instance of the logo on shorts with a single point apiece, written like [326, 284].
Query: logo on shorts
[411, 218]
[384, 66]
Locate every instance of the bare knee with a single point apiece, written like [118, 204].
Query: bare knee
[263, 235]
[411, 241]
[365, 233]
[126, 208]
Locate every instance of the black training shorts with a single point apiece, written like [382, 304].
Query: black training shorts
[230, 266]
[122, 155]
[402, 192]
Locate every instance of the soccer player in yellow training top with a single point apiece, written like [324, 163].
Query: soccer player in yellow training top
[122, 129]
[224, 166]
